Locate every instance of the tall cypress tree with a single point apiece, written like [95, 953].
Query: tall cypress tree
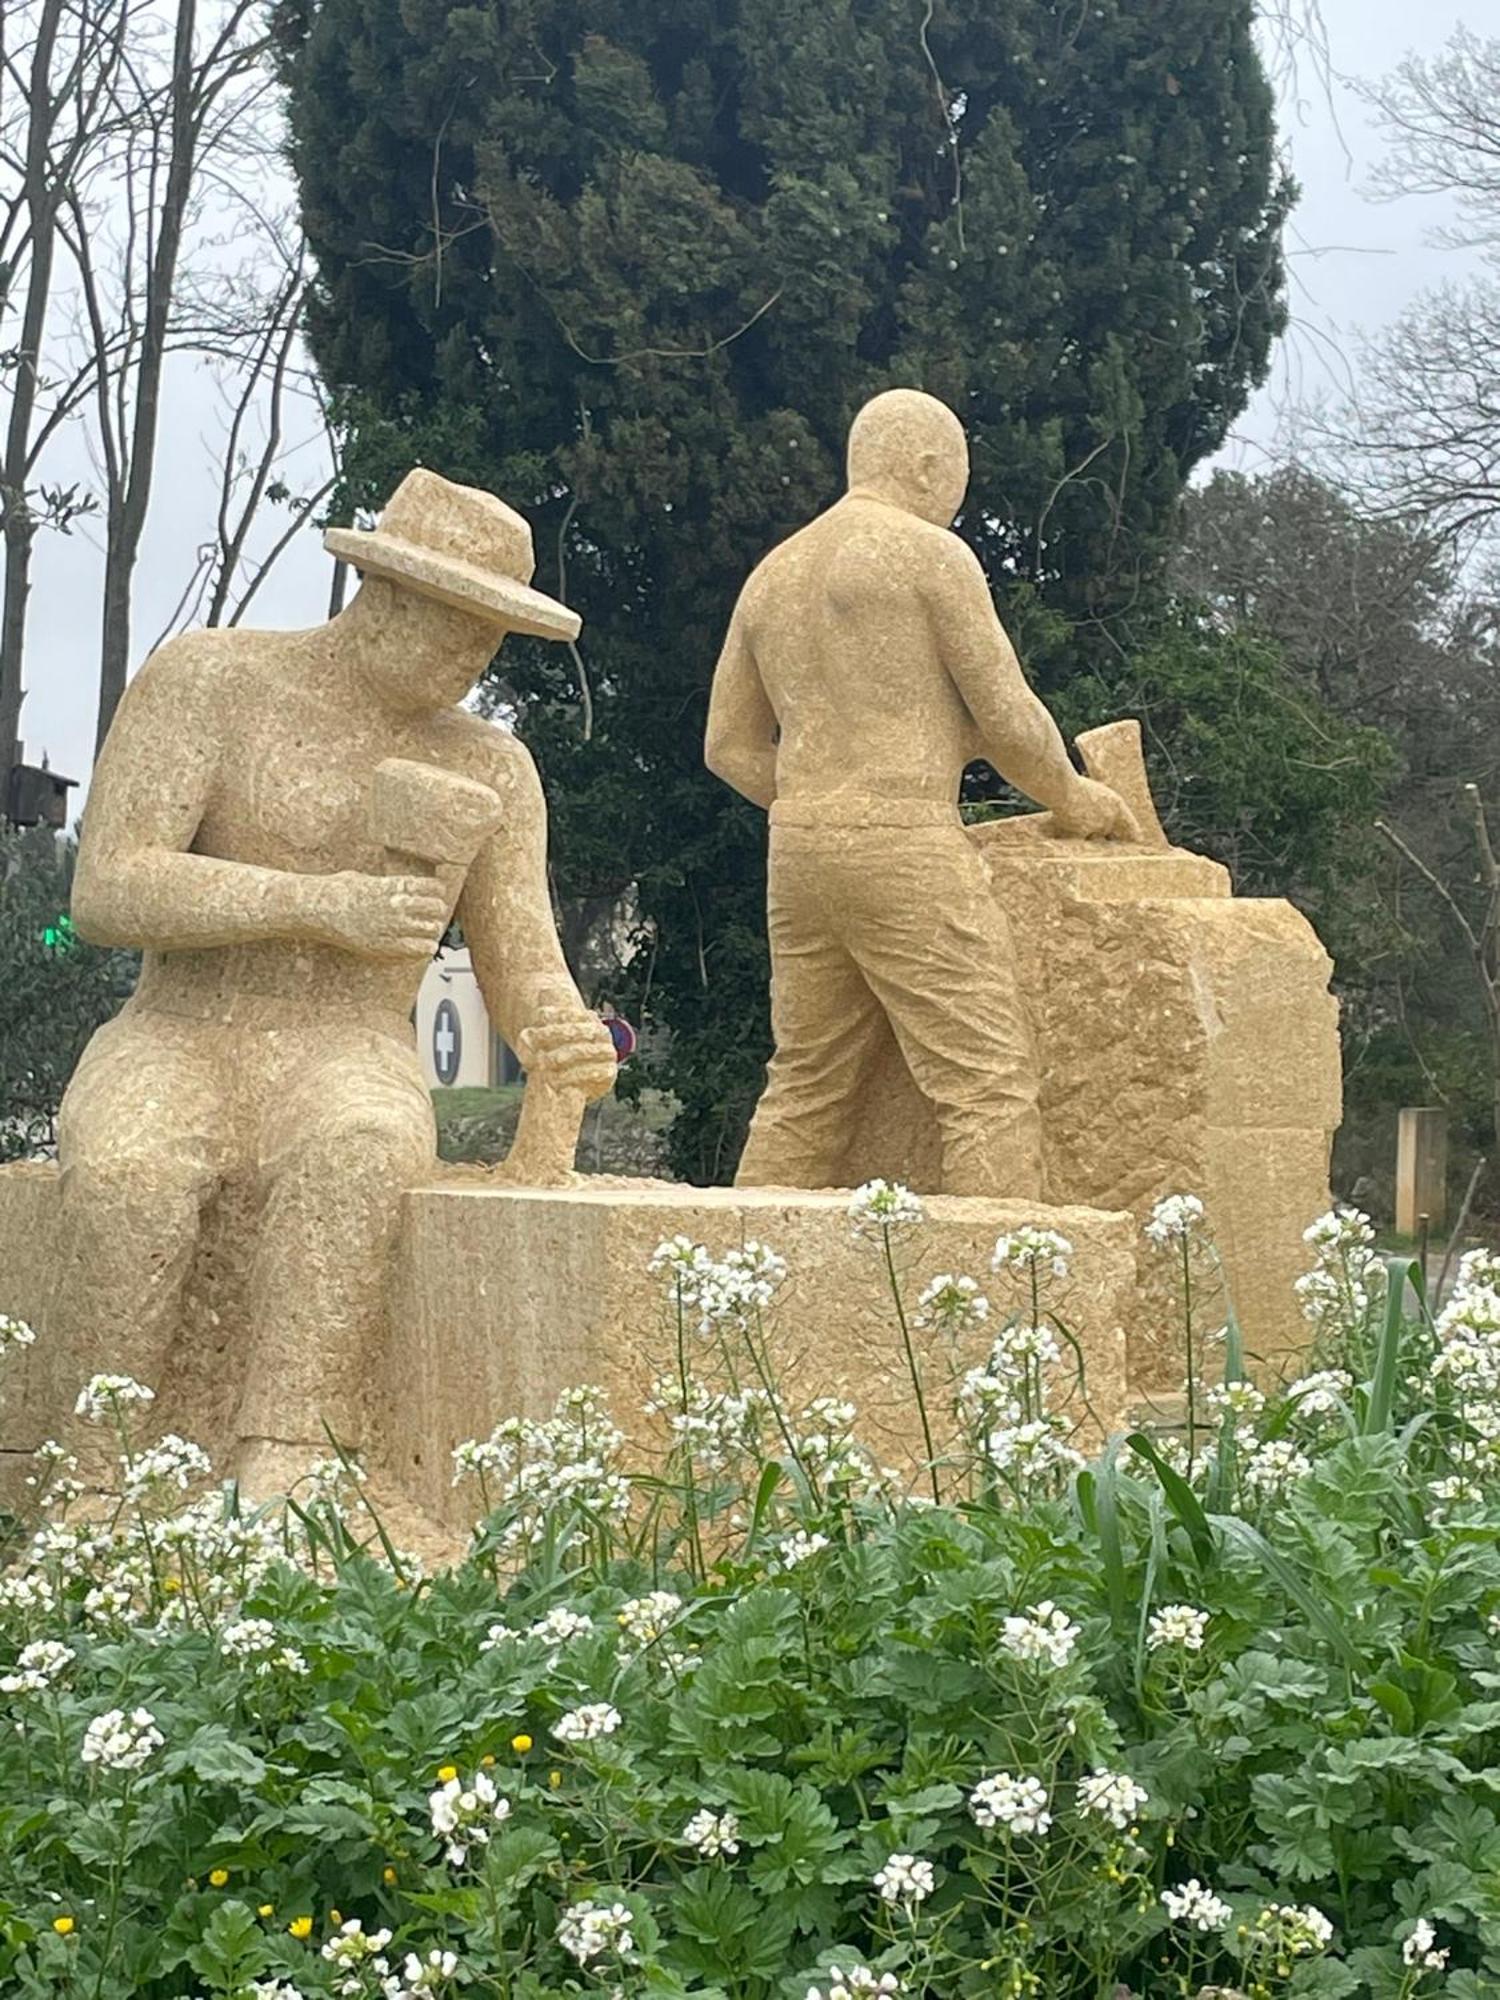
[634, 266]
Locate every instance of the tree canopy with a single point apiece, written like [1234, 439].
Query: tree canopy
[635, 269]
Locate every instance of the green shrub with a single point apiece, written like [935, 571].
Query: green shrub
[748, 1719]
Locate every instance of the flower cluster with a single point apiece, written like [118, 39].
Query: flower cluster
[1178, 1625]
[588, 1930]
[565, 1467]
[1196, 1906]
[1111, 1796]
[1017, 1805]
[14, 1333]
[882, 1208]
[1044, 1634]
[119, 1742]
[1176, 1219]
[588, 1723]
[1347, 1277]
[712, 1834]
[1030, 1253]
[464, 1816]
[905, 1879]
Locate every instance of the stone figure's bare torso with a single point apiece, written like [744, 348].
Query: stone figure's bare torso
[289, 790]
[845, 629]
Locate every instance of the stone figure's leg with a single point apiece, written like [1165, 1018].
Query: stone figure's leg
[825, 1023]
[345, 1136]
[140, 1147]
[936, 948]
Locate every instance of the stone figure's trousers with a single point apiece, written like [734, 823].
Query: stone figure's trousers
[322, 1124]
[891, 920]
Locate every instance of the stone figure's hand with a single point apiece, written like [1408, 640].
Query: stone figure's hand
[1094, 812]
[381, 916]
[570, 1046]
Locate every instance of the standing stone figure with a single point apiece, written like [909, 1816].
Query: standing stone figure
[284, 823]
[863, 669]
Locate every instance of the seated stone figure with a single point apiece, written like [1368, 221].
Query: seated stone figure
[863, 669]
[284, 823]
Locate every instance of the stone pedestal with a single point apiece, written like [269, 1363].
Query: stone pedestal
[1189, 1044]
[503, 1297]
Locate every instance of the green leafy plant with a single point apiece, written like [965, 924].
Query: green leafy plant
[734, 1711]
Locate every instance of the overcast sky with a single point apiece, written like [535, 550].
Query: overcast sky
[1354, 266]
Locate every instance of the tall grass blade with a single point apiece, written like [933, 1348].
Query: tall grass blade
[1307, 1600]
[1382, 1399]
[1181, 1498]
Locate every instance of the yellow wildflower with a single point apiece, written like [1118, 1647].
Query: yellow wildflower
[447, 1773]
[63, 1926]
[520, 1744]
[388, 1876]
[300, 1927]
[219, 1876]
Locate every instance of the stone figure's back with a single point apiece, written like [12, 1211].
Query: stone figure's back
[842, 625]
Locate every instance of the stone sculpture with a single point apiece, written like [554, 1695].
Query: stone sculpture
[863, 669]
[284, 823]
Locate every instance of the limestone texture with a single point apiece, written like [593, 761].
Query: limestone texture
[503, 1297]
[863, 669]
[1057, 1006]
[285, 823]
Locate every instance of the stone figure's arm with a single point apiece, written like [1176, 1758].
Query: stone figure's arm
[1015, 729]
[741, 741]
[505, 911]
[137, 884]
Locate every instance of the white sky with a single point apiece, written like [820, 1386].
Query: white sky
[1354, 266]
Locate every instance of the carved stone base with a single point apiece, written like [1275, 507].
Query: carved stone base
[1189, 1044]
[503, 1297]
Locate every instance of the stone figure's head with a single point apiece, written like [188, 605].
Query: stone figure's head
[446, 574]
[910, 448]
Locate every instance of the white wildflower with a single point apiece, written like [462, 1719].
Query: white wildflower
[351, 1945]
[1111, 1796]
[584, 1725]
[1274, 1465]
[1032, 1450]
[1030, 1252]
[905, 1879]
[464, 1816]
[741, 1285]
[951, 1305]
[1320, 1394]
[1340, 1229]
[117, 1742]
[881, 1206]
[173, 1461]
[560, 1624]
[1240, 1400]
[1019, 1805]
[421, 1975]
[713, 1834]
[481, 1458]
[103, 1395]
[643, 1620]
[38, 1667]
[798, 1547]
[1295, 1930]
[27, 1592]
[1178, 1625]
[1045, 1633]
[14, 1333]
[587, 1930]
[1196, 1906]
[858, 1982]
[247, 1639]
[1176, 1218]
[1421, 1948]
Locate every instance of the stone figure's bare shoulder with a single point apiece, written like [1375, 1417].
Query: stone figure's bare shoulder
[485, 751]
[201, 667]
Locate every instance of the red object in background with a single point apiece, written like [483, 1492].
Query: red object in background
[622, 1035]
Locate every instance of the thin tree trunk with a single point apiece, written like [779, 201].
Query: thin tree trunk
[20, 530]
[130, 515]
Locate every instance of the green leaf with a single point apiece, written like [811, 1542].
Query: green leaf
[214, 1756]
[232, 1949]
[1183, 1501]
[1308, 1602]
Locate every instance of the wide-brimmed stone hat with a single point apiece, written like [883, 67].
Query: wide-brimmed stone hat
[460, 545]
